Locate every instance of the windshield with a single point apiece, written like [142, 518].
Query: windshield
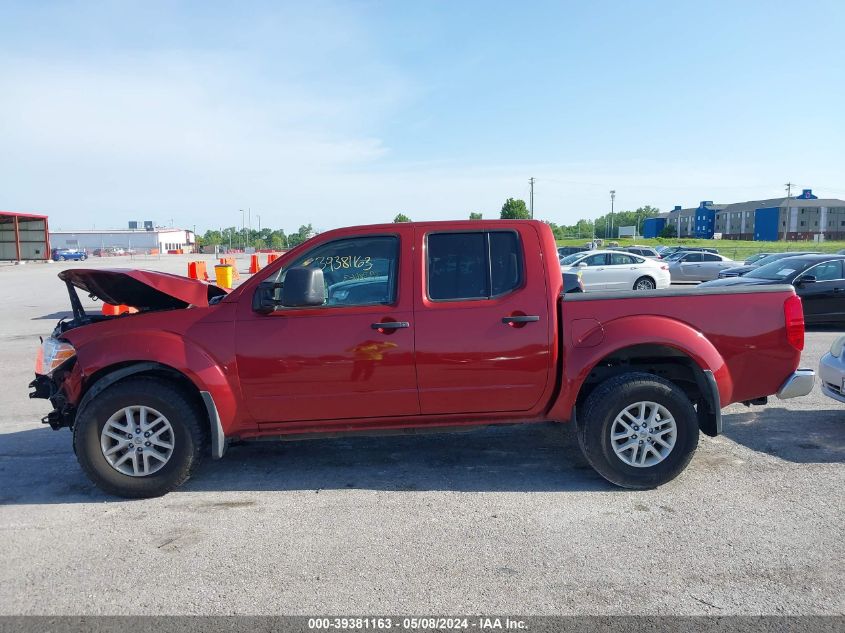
[781, 269]
[768, 259]
[754, 259]
[571, 259]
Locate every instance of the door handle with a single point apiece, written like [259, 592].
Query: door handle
[530, 318]
[390, 325]
[839, 290]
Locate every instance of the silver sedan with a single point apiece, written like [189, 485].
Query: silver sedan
[698, 266]
[832, 371]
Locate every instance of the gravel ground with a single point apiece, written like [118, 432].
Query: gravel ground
[507, 520]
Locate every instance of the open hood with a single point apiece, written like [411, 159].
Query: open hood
[142, 289]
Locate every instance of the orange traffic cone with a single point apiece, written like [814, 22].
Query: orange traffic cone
[113, 310]
[254, 266]
[271, 257]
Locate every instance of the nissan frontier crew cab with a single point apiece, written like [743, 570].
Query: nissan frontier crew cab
[402, 327]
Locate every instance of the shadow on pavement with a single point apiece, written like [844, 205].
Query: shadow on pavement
[803, 437]
[55, 316]
[38, 465]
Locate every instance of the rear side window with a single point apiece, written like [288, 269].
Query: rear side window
[618, 259]
[477, 265]
[711, 258]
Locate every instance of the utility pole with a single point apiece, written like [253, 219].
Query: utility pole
[612, 200]
[531, 197]
[789, 187]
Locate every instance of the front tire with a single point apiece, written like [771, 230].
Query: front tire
[637, 430]
[139, 438]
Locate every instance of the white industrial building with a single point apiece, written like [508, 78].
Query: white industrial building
[139, 240]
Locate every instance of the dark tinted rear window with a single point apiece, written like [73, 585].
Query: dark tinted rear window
[473, 265]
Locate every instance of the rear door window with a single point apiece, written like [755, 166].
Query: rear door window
[596, 260]
[619, 259]
[473, 265]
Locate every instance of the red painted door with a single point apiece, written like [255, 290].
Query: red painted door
[330, 362]
[481, 320]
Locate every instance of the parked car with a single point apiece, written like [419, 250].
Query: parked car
[642, 251]
[563, 251]
[616, 270]
[673, 250]
[469, 327]
[698, 266]
[63, 254]
[818, 279]
[832, 371]
[756, 258]
[109, 251]
[738, 271]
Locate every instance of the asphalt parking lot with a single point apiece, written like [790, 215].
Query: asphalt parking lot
[508, 520]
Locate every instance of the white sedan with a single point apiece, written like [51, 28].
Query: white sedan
[832, 371]
[615, 270]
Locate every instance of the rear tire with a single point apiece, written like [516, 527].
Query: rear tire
[638, 458]
[645, 283]
[185, 436]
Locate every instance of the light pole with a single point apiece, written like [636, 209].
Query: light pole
[612, 200]
[243, 227]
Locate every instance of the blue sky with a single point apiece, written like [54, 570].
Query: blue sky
[342, 113]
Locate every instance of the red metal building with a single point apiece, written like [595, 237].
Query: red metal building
[24, 237]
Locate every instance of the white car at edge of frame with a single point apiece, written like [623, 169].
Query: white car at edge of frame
[616, 270]
[832, 371]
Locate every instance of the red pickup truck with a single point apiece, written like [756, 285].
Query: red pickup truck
[403, 327]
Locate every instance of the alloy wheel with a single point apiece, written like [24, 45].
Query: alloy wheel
[643, 434]
[137, 441]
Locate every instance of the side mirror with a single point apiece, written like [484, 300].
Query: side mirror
[303, 287]
[581, 264]
[806, 279]
[267, 297]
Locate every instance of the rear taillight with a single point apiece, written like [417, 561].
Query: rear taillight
[793, 313]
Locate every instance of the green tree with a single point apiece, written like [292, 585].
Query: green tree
[278, 241]
[474, 216]
[669, 231]
[514, 210]
[401, 217]
[559, 232]
[305, 232]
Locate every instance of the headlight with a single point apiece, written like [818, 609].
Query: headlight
[836, 347]
[51, 354]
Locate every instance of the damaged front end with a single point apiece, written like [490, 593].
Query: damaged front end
[57, 380]
[57, 377]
